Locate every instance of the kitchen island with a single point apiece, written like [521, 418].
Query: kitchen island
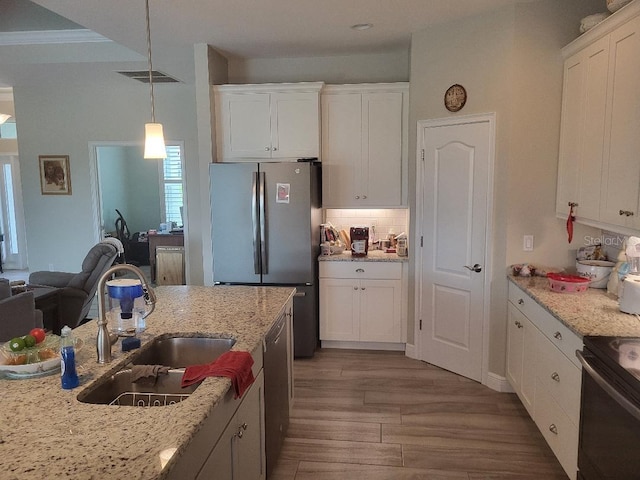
[45, 432]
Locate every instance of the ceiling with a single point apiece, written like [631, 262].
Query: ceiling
[56, 39]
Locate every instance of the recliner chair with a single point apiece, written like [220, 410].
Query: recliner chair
[77, 289]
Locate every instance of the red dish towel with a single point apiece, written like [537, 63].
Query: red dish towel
[233, 365]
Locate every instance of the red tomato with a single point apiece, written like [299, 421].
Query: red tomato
[38, 334]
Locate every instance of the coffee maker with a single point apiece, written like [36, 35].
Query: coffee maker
[359, 241]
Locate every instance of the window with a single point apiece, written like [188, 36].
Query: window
[8, 129]
[171, 192]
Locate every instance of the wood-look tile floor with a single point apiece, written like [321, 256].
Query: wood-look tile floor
[362, 415]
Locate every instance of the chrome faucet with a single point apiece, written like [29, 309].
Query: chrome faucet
[105, 339]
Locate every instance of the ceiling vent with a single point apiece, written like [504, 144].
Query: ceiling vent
[143, 76]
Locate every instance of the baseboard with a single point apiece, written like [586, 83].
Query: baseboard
[400, 347]
[410, 351]
[498, 383]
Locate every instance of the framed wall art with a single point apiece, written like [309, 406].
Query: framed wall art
[55, 178]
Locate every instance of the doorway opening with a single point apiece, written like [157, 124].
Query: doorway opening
[150, 194]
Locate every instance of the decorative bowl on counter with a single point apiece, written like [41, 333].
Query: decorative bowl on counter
[597, 271]
[562, 283]
[39, 360]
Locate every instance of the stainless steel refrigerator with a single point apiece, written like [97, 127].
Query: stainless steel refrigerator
[265, 231]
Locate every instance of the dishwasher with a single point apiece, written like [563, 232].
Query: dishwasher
[276, 390]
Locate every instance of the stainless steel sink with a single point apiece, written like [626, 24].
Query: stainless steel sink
[118, 389]
[175, 352]
[181, 352]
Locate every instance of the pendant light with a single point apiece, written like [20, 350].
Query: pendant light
[4, 117]
[153, 137]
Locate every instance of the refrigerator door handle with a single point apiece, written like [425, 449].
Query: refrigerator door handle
[255, 218]
[263, 229]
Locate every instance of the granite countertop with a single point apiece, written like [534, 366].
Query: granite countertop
[372, 256]
[46, 432]
[593, 312]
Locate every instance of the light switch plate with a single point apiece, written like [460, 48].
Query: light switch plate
[527, 243]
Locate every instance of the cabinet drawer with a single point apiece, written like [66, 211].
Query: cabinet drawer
[361, 270]
[559, 334]
[561, 378]
[557, 429]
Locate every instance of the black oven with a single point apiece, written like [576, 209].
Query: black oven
[609, 445]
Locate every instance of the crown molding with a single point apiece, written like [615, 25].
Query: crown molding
[6, 94]
[80, 35]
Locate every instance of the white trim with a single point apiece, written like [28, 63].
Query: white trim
[398, 347]
[411, 351]
[365, 88]
[269, 87]
[41, 37]
[605, 27]
[6, 94]
[498, 383]
[95, 192]
[417, 258]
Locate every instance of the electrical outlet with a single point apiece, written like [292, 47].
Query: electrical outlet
[527, 243]
[51, 267]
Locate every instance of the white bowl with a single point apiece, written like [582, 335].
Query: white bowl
[597, 271]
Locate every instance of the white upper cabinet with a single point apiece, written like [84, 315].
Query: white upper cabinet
[599, 167]
[364, 145]
[621, 166]
[269, 121]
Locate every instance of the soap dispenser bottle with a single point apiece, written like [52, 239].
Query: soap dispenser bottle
[69, 375]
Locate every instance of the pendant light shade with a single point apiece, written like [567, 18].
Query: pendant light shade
[154, 141]
[4, 117]
[154, 147]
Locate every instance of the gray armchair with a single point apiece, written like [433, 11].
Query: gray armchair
[18, 313]
[77, 289]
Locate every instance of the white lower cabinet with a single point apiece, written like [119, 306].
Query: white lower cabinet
[521, 343]
[544, 371]
[361, 301]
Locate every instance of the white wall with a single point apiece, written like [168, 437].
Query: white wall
[383, 67]
[509, 62]
[62, 120]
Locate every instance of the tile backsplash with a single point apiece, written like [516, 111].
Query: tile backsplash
[385, 220]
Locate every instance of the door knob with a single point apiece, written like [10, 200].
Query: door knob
[476, 268]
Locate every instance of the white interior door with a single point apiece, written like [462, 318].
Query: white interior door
[454, 192]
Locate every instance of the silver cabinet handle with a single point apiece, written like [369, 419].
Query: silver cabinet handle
[242, 429]
[360, 270]
[274, 148]
[555, 376]
[557, 336]
[355, 288]
[267, 149]
[476, 268]
[553, 429]
[521, 302]
[518, 324]
[362, 288]
[626, 213]
[364, 197]
[357, 197]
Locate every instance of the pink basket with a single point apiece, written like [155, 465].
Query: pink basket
[561, 283]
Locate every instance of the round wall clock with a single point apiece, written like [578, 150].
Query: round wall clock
[455, 97]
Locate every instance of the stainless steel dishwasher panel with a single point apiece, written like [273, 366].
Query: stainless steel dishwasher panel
[276, 390]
